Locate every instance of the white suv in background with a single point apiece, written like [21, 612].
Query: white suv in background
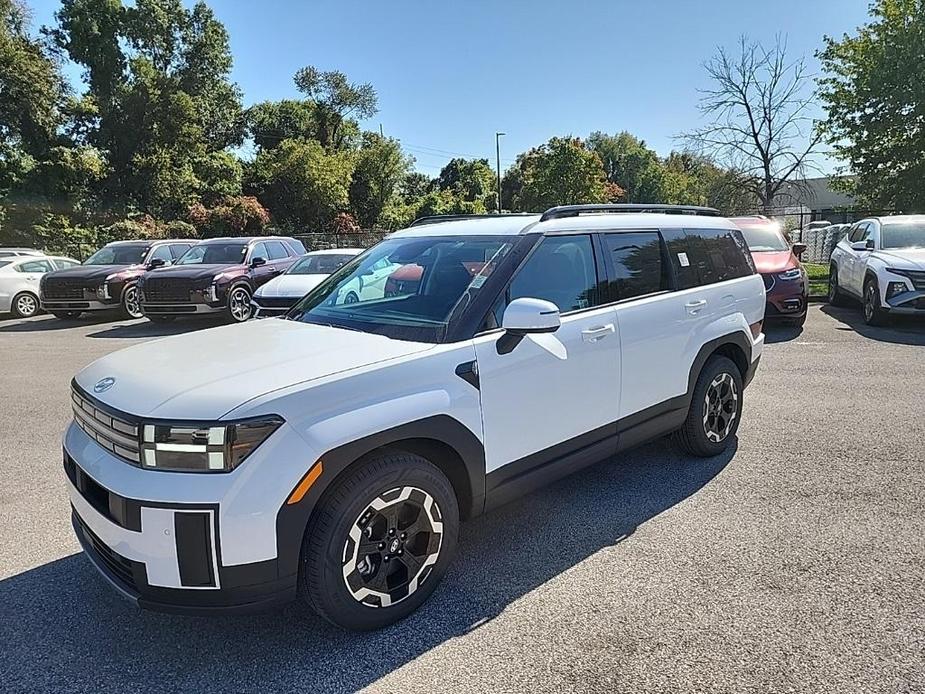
[881, 262]
[329, 456]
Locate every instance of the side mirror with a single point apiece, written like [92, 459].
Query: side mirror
[799, 249]
[524, 316]
[862, 245]
[156, 263]
[258, 261]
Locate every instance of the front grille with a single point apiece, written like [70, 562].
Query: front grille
[917, 277]
[768, 282]
[115, 434]
[118, 565]
[121, 511]
[167, 289]
[61, 288]
[275, 301]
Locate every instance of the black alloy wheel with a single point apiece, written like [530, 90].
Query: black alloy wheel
[715, 409]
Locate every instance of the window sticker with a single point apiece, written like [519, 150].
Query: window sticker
[682, 258]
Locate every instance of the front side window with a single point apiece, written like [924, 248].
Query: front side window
[323, 264]
[406, 288]
[259, 251]
[178, 249]
[637, 263]
[214, 254]
[132, 254]
[859, 233]
[903, 235]
[161, 253]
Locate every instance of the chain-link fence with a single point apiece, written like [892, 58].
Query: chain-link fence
[323, 240]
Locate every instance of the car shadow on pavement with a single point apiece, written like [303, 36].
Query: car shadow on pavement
[901, 330]
[781, 332]
[145, 328]
[45, 323]
[64, 629]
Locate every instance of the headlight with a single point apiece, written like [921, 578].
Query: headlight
[793, 273]
[202, 447]
[896, 288]
[210, 294]
[102, 291]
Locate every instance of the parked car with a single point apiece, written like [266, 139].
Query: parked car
[881, 263]
[785, 281]
[12, 252]
[329, 456]
[281, 293]
[19, 281]
[217, 275]
[108, 279]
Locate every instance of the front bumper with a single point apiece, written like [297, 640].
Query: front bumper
[78, 305]
[784, 298]
[273, 307]
[212, 548]
[180, 309]
[911, 303]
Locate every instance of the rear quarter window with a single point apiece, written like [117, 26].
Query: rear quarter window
[719, 254]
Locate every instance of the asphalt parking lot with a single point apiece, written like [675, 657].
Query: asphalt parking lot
[797, 563]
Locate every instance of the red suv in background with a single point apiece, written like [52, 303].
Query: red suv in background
[785, 282]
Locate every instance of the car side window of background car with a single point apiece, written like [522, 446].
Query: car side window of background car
[638, 265]
[62, 263]
[277, 250]
[161, 253]
[259, 251]
[857, 233]
[35, 266]
[561, 270]
[178, 249]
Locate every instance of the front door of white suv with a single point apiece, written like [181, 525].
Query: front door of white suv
[854, 261]
[557, 389]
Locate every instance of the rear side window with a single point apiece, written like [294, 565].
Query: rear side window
[638, 264]
[35, 266]
[718, 254]
[681, 258]
[298, 248]
[277, 250]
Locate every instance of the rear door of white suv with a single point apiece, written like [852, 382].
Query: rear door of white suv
[558, 392]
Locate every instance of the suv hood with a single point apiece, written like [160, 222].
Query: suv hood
[908, 259]
[91, 272]
[290, 285]
[773, 261]
[205, 374]
[196, 271]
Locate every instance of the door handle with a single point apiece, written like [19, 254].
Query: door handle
[598, 333]
[694, 307]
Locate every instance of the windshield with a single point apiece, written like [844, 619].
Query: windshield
[905, 235]
[764, 238]
[323, 264]
[214, 254]
[119, 255]
[406, 288]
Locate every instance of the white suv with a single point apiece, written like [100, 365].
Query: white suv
[881, 262]
[329, 455]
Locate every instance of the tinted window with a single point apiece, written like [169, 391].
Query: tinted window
[259, 251]
[903, 235]
[637, 263]
[560, 270]
[63, 263]
[4, 263]
[35, 266]
[681, 255]
[162, 253]
[718, 254]
[276, 250]
[297, 246]
[178, 249]
[217, 253]
[119, 255]
[322, 264]
[859, 233]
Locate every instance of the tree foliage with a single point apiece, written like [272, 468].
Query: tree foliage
[336, 102]
[380, 168]
[874, 94]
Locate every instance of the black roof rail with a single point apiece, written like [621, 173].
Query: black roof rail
[435, 218]
[563, 211]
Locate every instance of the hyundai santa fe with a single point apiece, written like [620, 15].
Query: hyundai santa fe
[329, 456]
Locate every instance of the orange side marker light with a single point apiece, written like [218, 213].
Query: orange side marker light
[302, 489]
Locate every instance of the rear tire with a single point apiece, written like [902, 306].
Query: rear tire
[65, 315]
[715, 411]
[836, 298]
[25, 305]
[874, 315]
[394, 520]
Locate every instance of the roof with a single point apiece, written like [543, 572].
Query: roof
[337, 251]
[243, 239]
[900, 218]
[497, 225]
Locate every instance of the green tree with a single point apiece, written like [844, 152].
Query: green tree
[632, 166]
[271, 122]
[471, 180]
[562, 171]
[874, 94]
[337, 103]
[301, 184]
[380, 168]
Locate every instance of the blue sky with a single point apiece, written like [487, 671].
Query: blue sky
[450, 73]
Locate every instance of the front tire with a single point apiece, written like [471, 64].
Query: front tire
[715, 411]
[874, 315]
[239, 309]
[380, 542]
[835, 296]
[25, 305]
[131, 306]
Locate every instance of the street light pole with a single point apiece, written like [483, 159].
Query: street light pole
[498, 165]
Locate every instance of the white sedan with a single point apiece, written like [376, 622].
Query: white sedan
[19, 281]
[281, 293]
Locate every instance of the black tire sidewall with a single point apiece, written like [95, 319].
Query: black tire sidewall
[321, 578]
[697, 441]
[16, 311]
[228, 312]
[125, 311]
